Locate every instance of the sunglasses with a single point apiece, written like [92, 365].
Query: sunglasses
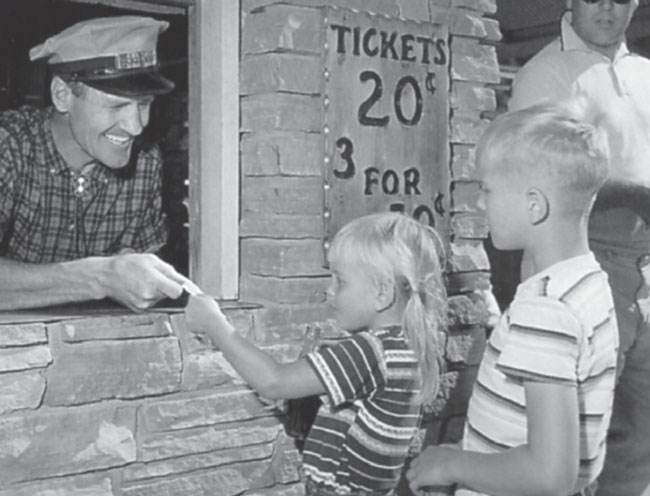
[619, 2]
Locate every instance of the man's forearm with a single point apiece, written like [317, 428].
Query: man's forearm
[25, 285]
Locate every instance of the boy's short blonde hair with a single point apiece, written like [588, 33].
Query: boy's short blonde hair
[557, 144]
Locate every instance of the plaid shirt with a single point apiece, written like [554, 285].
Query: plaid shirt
[49, 213]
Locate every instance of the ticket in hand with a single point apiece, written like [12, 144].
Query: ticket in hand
[192, 288]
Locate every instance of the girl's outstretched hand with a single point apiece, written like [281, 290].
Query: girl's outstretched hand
[431, 468]
[203, 315]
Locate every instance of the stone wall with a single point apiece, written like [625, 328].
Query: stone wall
[134, 405]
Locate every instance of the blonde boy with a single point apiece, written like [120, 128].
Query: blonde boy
[540, 409]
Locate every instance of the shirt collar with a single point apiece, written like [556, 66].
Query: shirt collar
[536, 284]
[571, 40]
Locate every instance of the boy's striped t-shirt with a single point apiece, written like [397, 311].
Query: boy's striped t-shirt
[362, 432]
[560, 328]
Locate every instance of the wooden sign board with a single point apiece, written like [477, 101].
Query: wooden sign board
[386, 126]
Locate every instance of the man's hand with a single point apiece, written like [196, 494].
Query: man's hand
[140, 280]
[431, 468]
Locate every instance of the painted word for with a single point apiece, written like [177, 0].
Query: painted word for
[389, 45]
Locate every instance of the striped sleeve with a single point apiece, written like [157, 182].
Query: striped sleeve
[351, 369]
[543, 342]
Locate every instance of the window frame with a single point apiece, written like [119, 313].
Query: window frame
[213, 100]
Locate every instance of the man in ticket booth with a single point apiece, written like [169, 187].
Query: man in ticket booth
[80, 195]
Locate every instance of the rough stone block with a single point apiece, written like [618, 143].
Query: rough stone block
[226, 481]
[97, 370]
[284, 226]
[286, 72]
[286, 461]
[282, 153]
[467, 256]
[290, 322]
[467, 129]
[282, 258]
[283, 352]
[473, 61]
[116, 327]
[157, 446]
[413, 9]
[229, 405]
[489, 6]
[492, 29]
[467, 310]
[281, 490]
[446, 384]
[466, 345]
[65, 441]
[463, 166]
[193, 463]
[66, 486]
[22, 335]
[467, 24]
[461, 390]
[291, 291]
[286, 28]
[472, 98]
[467, 197]
[469, 226]
[464, 282]
[20, 390]
[205, 369]
[31, 357]
[282, 195]
[281, 112]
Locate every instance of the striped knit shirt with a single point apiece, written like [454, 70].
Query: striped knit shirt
[560, 328]
[49, 213]
[362, 432]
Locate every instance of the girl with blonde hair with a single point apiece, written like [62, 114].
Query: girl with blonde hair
[387, 291]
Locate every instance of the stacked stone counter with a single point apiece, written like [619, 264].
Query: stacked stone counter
[134, 405]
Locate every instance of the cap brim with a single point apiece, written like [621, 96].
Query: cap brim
[131, 85]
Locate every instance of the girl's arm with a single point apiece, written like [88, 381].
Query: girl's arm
[546, 465]
[259, 369]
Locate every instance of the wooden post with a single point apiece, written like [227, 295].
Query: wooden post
[214, 146]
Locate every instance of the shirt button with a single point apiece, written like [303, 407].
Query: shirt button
[71, 227]
[52, 171]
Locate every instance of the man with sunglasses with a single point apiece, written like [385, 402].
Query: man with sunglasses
[590, 60]
[80, 193]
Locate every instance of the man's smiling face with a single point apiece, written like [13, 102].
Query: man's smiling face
[104, 126]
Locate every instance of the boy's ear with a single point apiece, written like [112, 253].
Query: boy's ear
[61, 94]
[538, 206]
[385, 295]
